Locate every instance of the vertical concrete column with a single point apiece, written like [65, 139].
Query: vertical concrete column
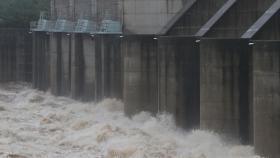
[40, 60]
[65, 64]
[55, 63]
[77, 66]
[47, 63]
[224, 87]
[44, 61]
[111, 70]
[1, 58]
[179, 79]
[26, 71]
[140, 74]
[20, 56]
[90, 78]
[266, 97]
[35, 52]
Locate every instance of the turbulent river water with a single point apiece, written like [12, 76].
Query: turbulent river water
[35, 124]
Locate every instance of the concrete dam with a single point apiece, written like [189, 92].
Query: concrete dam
[213, 64]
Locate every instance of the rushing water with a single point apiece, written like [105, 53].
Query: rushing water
[35, 124]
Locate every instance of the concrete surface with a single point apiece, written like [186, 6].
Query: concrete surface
[179, 92]
[40, 65]
[140, 74]
[224, 87]
[266, 97]
[15, 55]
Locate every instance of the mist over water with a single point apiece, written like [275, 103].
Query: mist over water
[35, 124]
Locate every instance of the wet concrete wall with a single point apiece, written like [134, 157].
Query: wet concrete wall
[266, 97]
[91, 63]
[82, 66]
[65, 59]
[15, 55]
[77, 66]
[224, 87]
[162, 75]
[60, 61]
[55, 63]
[140, 74]
[211, 84]
[96, 67]
[179, 79]
[41, 66]
[112, 66]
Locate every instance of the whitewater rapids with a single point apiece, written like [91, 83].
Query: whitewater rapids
[35, 124]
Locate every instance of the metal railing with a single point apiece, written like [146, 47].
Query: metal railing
[110, 26]
[81, 26]
[62, 25]
[85, 26]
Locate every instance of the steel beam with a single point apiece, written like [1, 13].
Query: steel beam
[250, 33]
[204, 29]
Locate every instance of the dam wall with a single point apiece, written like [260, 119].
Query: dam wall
[179, 79]
[140, 57]
[217, 71]
[225, 87]
[266, 97]
[97, 67]
[15, 55]
[40, 62]
[85, 67]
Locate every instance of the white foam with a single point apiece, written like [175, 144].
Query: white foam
[39, 125]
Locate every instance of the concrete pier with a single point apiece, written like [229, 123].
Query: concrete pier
[179, 79]
[55, 63]
[41, 66]
[266, 97]
[65, 70]
[96, 67]
[60, 62]
[91, 61]
[140, 74]
[77, 66]
[224, 87]
[112, 66]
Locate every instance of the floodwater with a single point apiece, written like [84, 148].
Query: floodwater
[35, 124]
